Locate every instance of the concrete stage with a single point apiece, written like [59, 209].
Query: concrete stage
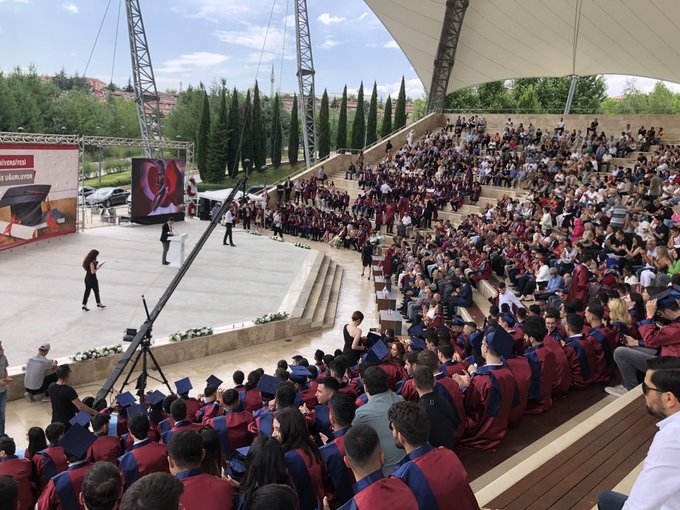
[42, 286]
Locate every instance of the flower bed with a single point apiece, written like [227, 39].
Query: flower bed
[271, 317]
[97, 352]
[190, 333]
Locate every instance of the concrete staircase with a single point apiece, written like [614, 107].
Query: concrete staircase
[318, 299]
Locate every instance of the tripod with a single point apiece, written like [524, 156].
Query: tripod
[144, 353]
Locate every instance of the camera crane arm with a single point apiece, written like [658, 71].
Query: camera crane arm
[144, 330]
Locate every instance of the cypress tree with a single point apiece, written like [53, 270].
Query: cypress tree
[324, 140]
[387, 119]
[234, 136]
[372, 121]
[359, 125]
[400, 110]
[259, 133]
[202, 139]
[277, 135]
[341, 141]
[219, 142]
[247, 132]
[294, 134]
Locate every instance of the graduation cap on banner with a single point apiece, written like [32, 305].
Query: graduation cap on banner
[372, 338]
[377, 353]
[500, 342]
[125, 399]
[268, 384]
[77, 440]
[155, 397]
[214, 381]
[82, 419]
[183, 386]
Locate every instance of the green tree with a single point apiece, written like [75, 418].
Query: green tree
[220, 138]
[259, 133]
[234, 132]
[341, 140]
[129, 88]
[324, 135]
[464, 99]
[661, 100]
[372, 120]
[246, 146]
[552, 93]
[387, 119]
[294, 134]
[276, 133]
[202, 139]
[400, 110]
[419, 109]
[183, 122]
[359, 123]
[528, 102]
[494, 96]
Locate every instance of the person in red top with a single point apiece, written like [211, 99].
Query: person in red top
[145, 457]
[20, 470]
[178, 410]
[365, 458]
[580, 283]
[580, 353]
[542, 363]
[603, 340]
[232, 426]
[250, 397]
[553, 341]
[102, 487]
[105, 447]
[52, 460]
[201, 490]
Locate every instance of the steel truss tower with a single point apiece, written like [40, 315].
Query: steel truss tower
[146, 94]
[446, 53]
[305, 76]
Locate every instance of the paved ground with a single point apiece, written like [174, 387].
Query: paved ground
[42, 286]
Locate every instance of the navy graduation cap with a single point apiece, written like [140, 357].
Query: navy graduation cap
[268, 384]
[77, 440]
[155, 397]
[183, 386]
[377, 353]
[213, 381]
[82, 419]
[125, 399]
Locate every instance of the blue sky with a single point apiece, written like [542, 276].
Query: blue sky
[206, 40]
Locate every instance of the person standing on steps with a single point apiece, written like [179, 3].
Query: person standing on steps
[165, 233]
[367, 258]
[229, 222]
[91, 266]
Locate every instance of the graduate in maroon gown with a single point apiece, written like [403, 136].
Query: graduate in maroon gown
[178, 411]
[542, 362]
[52, 460]
[518, 365]
[232, 426]
[488, 394]
[580, 282]
[202, 491]
[145, 457]
[580, 353]
[603, 340]
[105, 447]
[435, 475]
[372, 490]
[20, 470]
[553, 341]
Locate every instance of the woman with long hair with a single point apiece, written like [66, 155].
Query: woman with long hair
[91, 266]
[213, 461]
[264, 465]
[620, 320]
[302, 457]
[36, 441]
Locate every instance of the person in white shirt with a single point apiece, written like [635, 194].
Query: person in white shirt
[229, 223]
[656, 486]
[39, 374]
[507, 297]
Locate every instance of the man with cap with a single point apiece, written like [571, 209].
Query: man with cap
[632, 359]
[51, 460]
[210, 406]
[555, 283]
[145, 457]
[63, 490]
[184, 386]
[488, 394]
[580, 353]
[372, 490]
[202, 491]
[105, 447]
[436, 476]
[342, 410]
[20, 470]
[232, 425]
[39, 374]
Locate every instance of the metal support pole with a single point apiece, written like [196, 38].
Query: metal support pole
[570, 96]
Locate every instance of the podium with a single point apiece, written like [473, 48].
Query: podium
[176, 251]
[386, 302]
[390, 320]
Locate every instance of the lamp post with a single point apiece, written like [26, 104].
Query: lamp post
[100, 148]
[247, 165]
[179, 139]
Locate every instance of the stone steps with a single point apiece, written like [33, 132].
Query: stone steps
[315, 293]
[333, 297]
[320, 310]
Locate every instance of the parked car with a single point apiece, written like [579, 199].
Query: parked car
[86, 191]
[255, 189]
[108, 197]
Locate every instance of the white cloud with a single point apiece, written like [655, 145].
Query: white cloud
[329, 43]
[617, 84]
[327, 19]
[17, 1]
[363, 15]
[391, 44]
[217, 10]
[414, 89]
[201, 59]
[73, 9]
[253, 37]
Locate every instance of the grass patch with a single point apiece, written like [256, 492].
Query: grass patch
[111, 180]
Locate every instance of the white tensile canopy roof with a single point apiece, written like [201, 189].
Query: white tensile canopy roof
[220, 195]
[506, 39]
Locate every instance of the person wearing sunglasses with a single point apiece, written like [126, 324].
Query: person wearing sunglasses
[657, 485]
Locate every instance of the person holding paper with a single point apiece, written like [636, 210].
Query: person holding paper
[91, 266]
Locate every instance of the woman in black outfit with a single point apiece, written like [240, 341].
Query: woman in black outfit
[352, 335]
[91, 266]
